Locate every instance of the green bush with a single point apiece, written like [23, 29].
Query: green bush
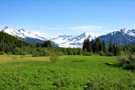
[54, 57]
[59, 53]
[124, 57]
[41, 52]
[103, 83]
[35, 54]
[2, 53]
[130, 66]
[101, 53]
[85, 53]
[108, 54]
[127, 60]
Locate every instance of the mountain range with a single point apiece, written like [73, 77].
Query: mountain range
[119, 37]
[27, 36]
[74, 41]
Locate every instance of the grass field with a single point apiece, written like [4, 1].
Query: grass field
[69, 73]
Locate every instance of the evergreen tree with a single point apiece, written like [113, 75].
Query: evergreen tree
[110, 45]
[92, 45]
[103, 46]
[97, 45]
[115, 49]
[89, 49]
[47, 44]
[84, 44]
[87, 45]
[38, 45]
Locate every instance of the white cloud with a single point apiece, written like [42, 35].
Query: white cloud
[40, 33]
[85, 27]
[51, 28]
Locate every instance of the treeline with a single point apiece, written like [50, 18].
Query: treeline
[99, 47]
[11, 45]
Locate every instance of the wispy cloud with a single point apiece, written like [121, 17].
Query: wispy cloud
[86, 27]
[51, 28]
[40, 33]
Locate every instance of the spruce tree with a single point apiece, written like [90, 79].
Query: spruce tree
[92, 45]
[97, 45]
[87, 45]
[110, 45]
[103, 46]
[84, 44]
[115, 49]
[47, 44]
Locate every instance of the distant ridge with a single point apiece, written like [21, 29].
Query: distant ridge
[27, 36]
[120, 37]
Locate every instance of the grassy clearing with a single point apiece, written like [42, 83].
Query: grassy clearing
[70, 72]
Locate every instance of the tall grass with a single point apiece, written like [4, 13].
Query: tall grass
[69, 73]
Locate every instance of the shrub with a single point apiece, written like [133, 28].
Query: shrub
[132, 58]
[101, 53]
[54, 57]
[124, 57]
[35, 54]
[9, 53]
[130, 66]
[2, 53]
[85, 53]
[59, 53]
[103, 83]
[41, 52]
[127, 60]
[108, 54]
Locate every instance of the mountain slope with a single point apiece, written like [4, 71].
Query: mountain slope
[24, 35]
[121, 37]
[9, 43]
[73, 41]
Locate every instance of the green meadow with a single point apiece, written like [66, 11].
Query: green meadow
[68, 73]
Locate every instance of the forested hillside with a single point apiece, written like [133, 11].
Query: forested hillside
[9, 43]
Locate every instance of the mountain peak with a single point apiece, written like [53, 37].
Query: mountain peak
[21, 33]
[21, 30]
[5, 27]
[73, 41]
[123, 29]
[132, 30]
[64, 36]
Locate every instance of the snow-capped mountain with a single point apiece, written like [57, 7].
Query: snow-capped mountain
[21, 33]
[120, 37]
[74, 41]
[26, 35]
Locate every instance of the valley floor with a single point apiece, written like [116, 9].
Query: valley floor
[69, 73]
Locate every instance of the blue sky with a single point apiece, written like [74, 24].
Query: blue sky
[52, 17]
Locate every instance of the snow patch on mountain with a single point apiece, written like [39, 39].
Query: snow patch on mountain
[125, 31]
[21, 33]
[74, 41]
